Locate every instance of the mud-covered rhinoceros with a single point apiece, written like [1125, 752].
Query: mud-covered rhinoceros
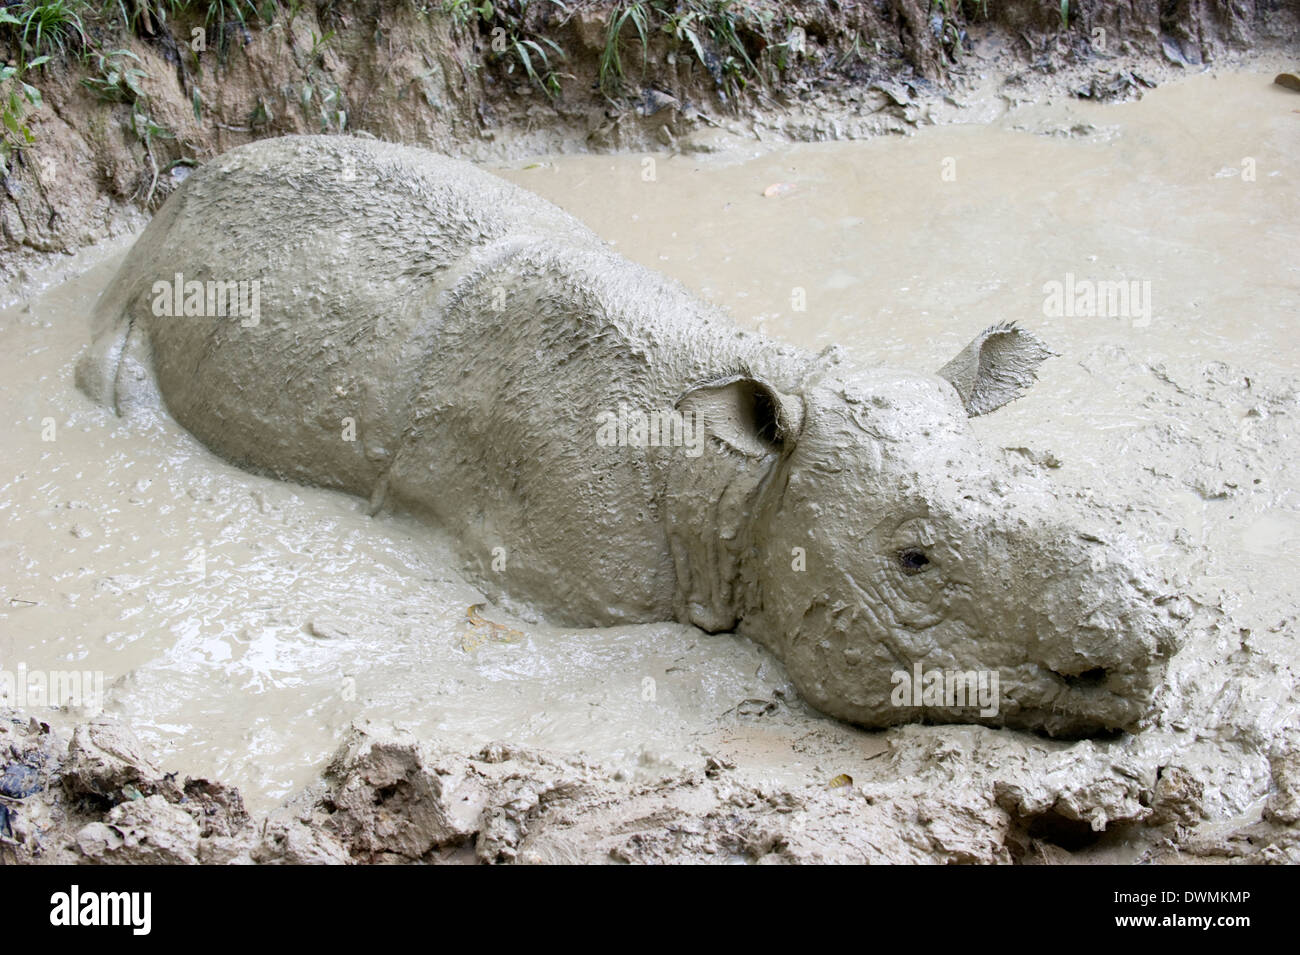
[418, 331]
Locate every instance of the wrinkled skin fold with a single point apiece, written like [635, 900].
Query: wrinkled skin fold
[437, 340]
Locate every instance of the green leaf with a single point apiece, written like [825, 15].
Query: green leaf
[523, 57]
[695, 43]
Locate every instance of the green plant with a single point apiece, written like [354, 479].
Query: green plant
[949, 32]
[779, 56]
[512, 42]
[45, 28]
[222, 12]
[145, 129]
[115, 9]
[465, 12]
[712, 29]
[131, 12]
[262, 114]
[681, 27]
[332, 114]
[1065, 14]
[118, 81]
[219, 12]
[854, 52]
[546, 78]
[17, 96]
[319, 43]
[611, 59]
[722, 24]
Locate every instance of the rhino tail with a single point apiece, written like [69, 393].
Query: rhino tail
[116, 370]
[98, 365]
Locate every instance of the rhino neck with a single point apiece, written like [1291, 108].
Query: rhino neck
[714, 530]
[716, 504]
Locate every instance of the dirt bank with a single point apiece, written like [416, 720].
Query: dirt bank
[389, 797]
[128, 108]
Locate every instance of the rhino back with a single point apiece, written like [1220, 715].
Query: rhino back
[350, 243]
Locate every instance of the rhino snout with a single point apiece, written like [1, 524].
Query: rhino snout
[1103, 645]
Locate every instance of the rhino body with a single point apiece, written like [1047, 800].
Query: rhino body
[437, 340]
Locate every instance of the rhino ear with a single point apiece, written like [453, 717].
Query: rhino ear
[997, 367]
[745, 413]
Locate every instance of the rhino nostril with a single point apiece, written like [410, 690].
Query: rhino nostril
[1088, 678]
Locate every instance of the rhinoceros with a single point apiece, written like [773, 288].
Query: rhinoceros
[360, 315]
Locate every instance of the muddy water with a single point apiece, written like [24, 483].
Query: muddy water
[241, 624]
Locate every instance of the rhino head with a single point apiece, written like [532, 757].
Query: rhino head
[858, 530]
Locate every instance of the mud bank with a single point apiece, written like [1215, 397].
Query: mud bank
[129, 109]
[387, 797]
[255, 633]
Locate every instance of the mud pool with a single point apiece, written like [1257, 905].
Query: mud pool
[242, 624]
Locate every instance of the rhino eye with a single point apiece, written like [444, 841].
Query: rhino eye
[913, 561]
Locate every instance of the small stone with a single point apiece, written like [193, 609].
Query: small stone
[19, 781]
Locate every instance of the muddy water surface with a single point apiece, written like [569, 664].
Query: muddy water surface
[241, 624]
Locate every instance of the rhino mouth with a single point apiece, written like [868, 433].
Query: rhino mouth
[1086, 680]
[1095, 702]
